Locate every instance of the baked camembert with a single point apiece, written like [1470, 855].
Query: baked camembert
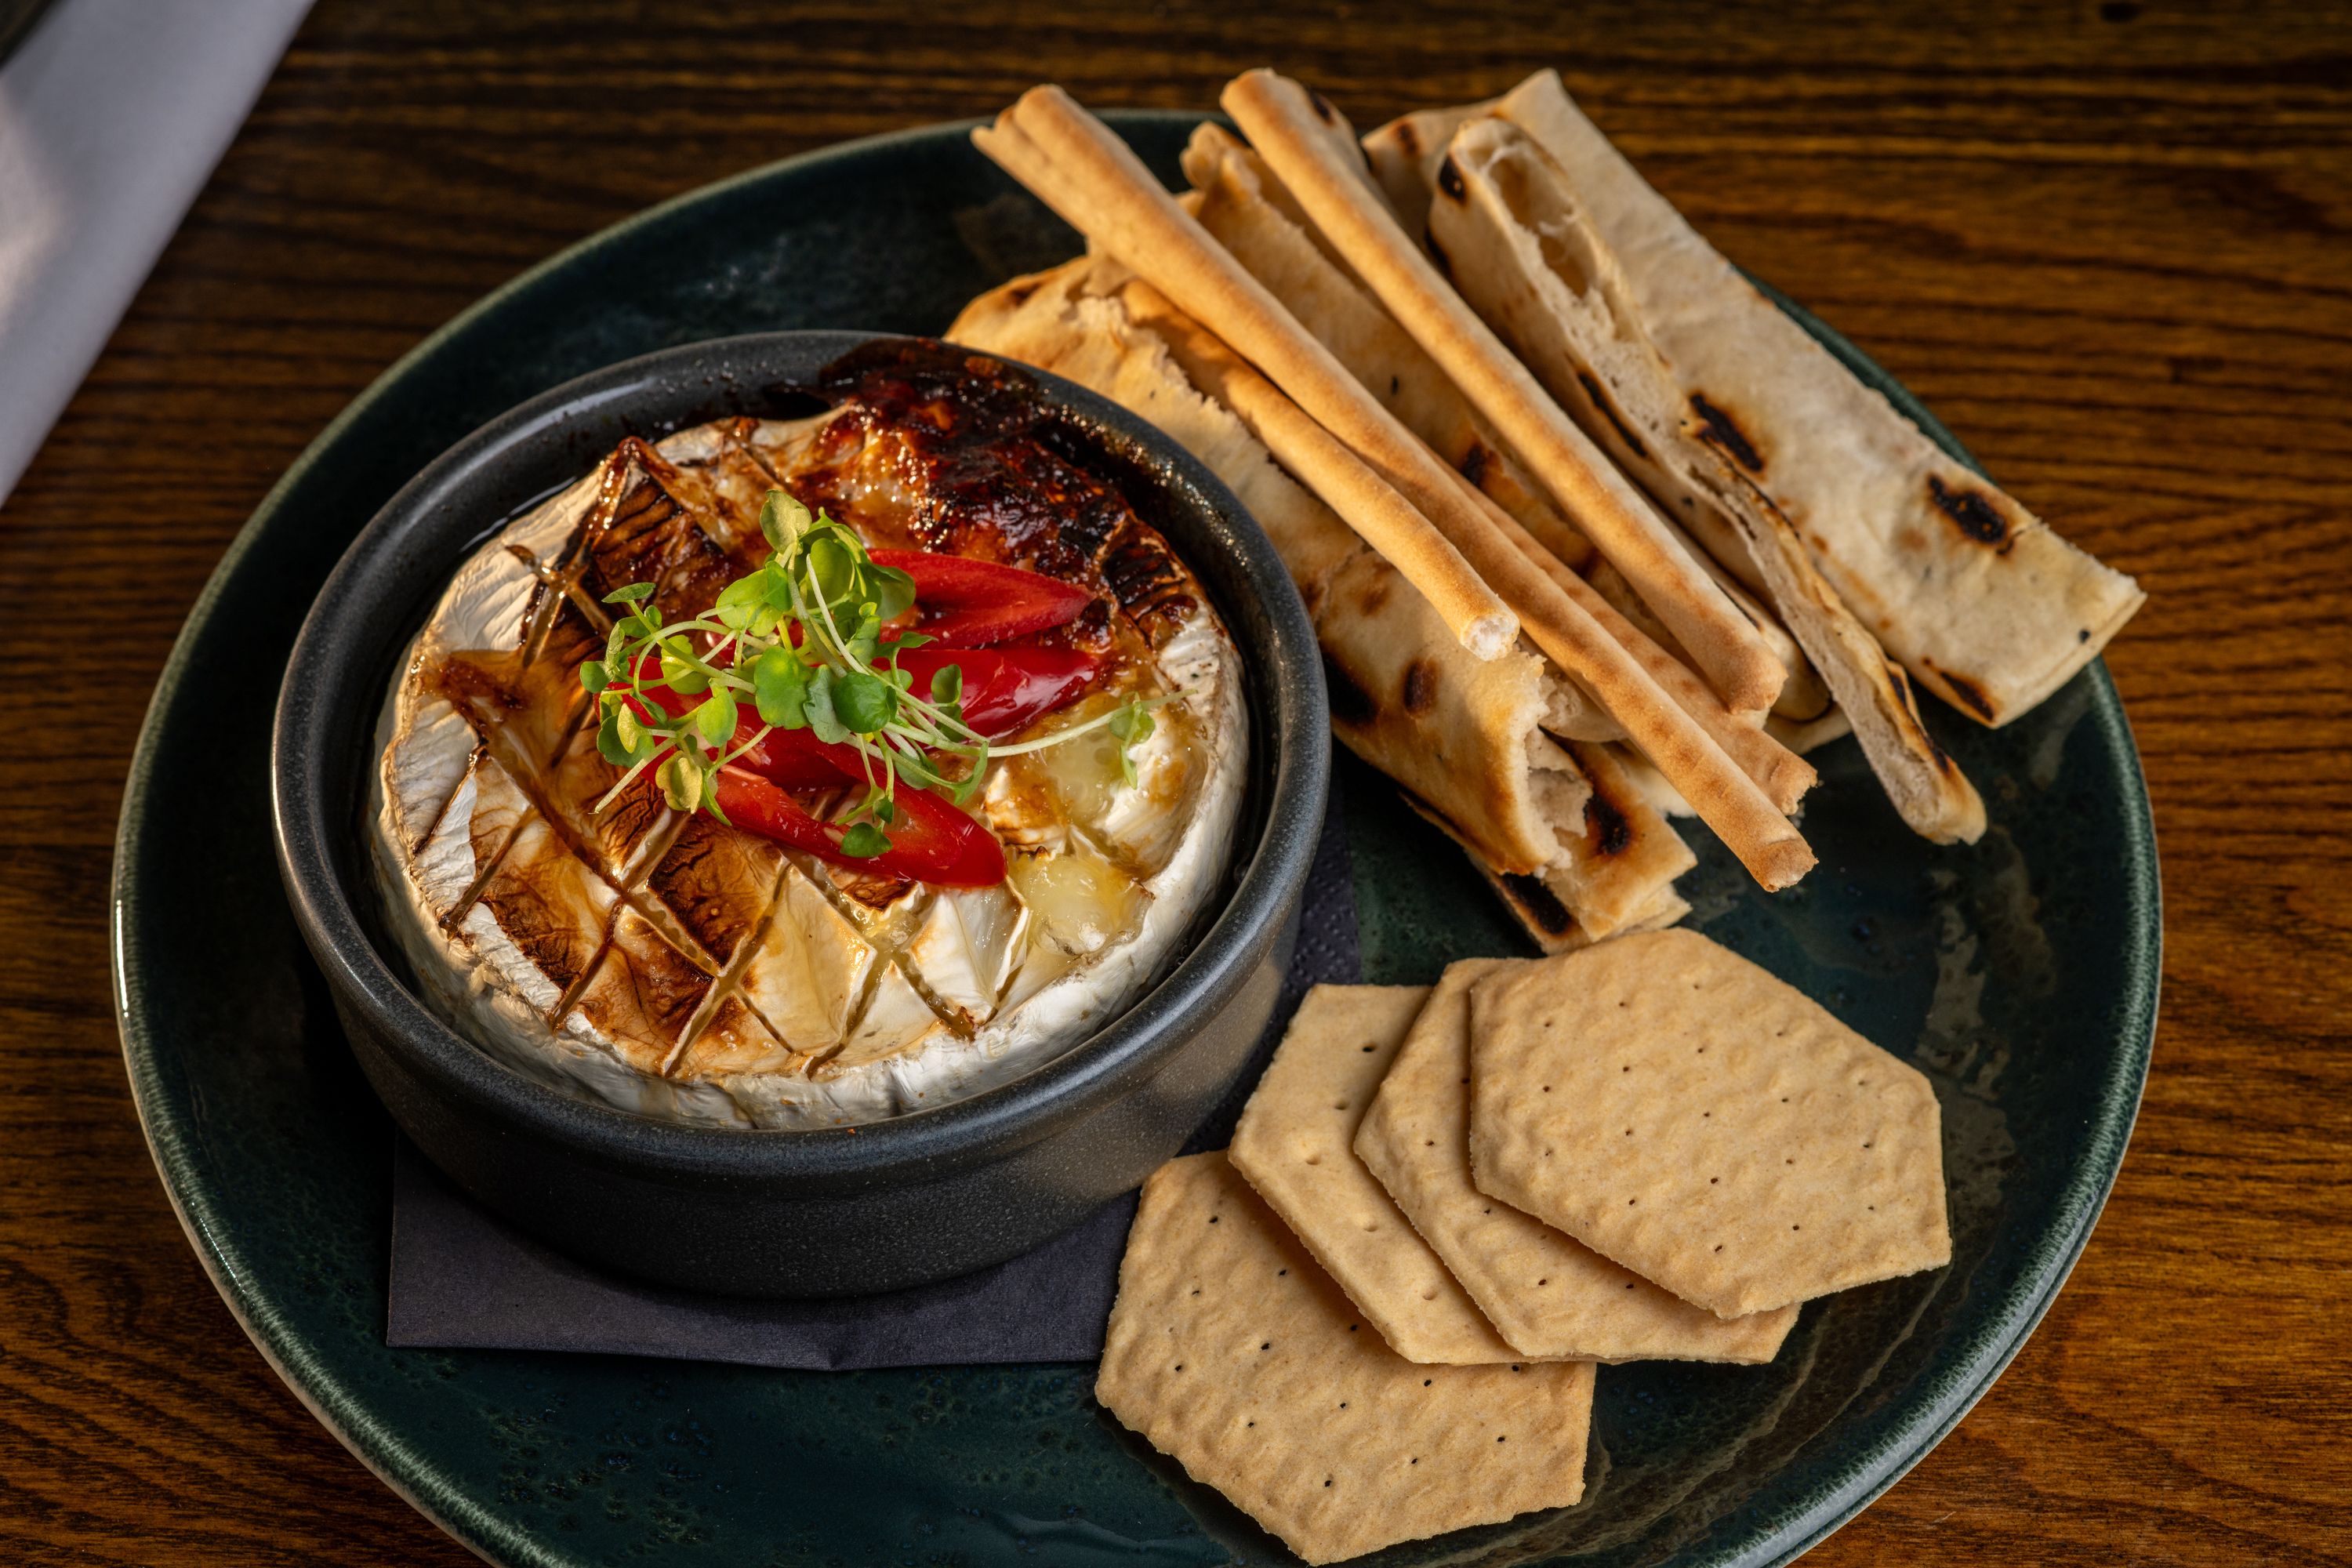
[804, 773]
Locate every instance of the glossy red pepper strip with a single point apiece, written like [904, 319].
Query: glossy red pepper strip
[931, 840]
[966, 602]
[1004, 688]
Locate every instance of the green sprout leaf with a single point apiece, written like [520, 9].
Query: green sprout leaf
[864, 702]
[947, 686]
[1130, 727]
[714, 719]
[818, 706]
[780, 684]
[742, 604]
[594, 675]
[681, 782]
[609, 743]
[631, 594]
[864, 840]
[681, 671]
[782, 520]
[891, 590]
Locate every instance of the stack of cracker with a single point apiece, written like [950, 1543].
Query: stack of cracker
[1377, 1317]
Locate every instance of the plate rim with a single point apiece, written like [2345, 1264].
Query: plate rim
[495, 1538]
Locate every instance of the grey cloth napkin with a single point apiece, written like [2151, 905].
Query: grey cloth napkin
[462, 1280]
[112, 114]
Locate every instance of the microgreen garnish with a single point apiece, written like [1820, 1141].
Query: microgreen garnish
[800, 640]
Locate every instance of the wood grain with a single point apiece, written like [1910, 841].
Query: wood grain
[2110, 244]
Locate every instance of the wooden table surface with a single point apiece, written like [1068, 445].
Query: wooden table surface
[2111, 244]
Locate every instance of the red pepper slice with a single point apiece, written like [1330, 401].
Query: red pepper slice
[931, 840]
[1004, 688]
[967, 602]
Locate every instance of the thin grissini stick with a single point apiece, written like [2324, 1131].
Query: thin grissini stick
[1090, 176]
[1470, 608]
[1780, 774]
[1325, 176]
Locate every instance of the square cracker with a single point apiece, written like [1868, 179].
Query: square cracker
[1233, 1354]
[1295, 1145]
[1548, 1294]
[1715, 1131]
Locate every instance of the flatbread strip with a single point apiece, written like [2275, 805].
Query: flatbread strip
[1300, 136]
[1096, 182]
[1619, 874]
[1462, 732]
[1295, 1145]
[1232, 1354]
[1711, 1128]
[1527, 255]
[1548, 1294]
[1975, 596]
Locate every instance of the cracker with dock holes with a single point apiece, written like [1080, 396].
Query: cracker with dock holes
[1548, 1295]
[1295, 1145]
[1232, 1354]
[1715, 1131]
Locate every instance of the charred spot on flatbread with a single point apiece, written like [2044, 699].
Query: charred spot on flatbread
[1323, 109]
[1437, 254]
[1474, 463]
[1909, 695]
[1538, 905]
[1605, 824]
[1350, 703]
[1608, 411]
[1725, 433]
[1964, 692]
[1419, 687]
[1449, 180]
[1972, 511]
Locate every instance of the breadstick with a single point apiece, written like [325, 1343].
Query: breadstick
[1470, 608]
[1293, 437]
[1783, 775]
[1326, 177]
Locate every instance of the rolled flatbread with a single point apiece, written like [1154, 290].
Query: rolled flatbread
[1464, 737]
[1976, 597]
[1525, 254]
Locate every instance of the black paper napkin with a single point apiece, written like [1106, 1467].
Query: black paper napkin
[463, 1280]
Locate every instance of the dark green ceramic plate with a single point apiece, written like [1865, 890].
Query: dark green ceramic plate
[2021, 975]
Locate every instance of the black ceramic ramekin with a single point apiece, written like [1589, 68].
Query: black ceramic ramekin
[837, 1212]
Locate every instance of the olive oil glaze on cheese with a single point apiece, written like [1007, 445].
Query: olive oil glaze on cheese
[674, 965]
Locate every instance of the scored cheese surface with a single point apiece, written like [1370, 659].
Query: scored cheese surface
[683, 969]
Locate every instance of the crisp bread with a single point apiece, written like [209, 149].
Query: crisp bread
[1234, 1353]
[1295, 1145]
[1547, 1294]
[1676, 1109]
